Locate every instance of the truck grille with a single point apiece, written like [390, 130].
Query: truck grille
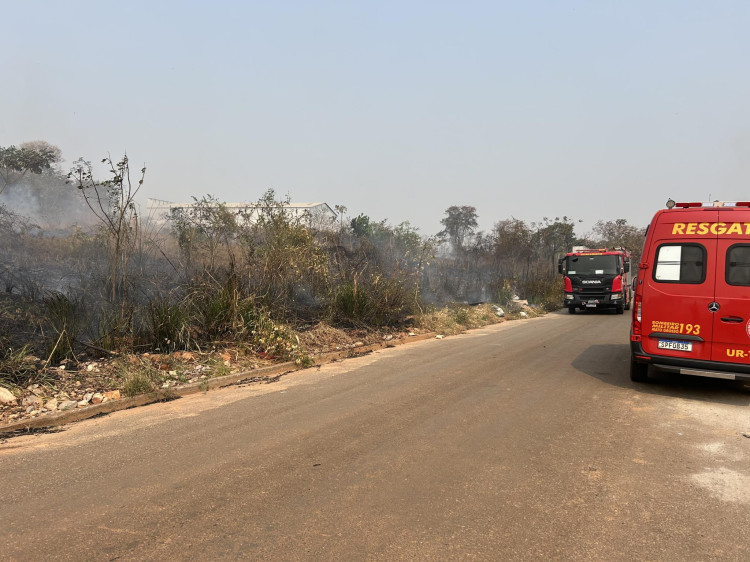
[593, 291]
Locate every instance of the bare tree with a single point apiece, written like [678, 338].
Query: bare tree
[113, 203]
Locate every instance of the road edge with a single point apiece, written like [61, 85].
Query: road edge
[266, 375]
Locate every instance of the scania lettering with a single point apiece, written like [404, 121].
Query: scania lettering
[691, 312]
[596, 279]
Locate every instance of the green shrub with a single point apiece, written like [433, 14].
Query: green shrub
[378, 301]
[15, 370]
[461, 316]
[544, 292]
[351, 302]
[169, 328]
[139, 379]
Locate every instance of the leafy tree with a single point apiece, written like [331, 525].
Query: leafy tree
[618, 233]
[34, 157]
[361, 226]
[207, 224]
[459, 223]
[513, 248]
[554, 238]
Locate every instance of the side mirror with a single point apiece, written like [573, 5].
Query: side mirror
[627, 266]
[559, 265]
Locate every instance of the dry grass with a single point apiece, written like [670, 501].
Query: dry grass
[458, 318]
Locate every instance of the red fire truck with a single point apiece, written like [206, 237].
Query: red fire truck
[596, 279]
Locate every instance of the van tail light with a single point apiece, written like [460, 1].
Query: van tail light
[568, 285]
[617, 284]
[637, 315]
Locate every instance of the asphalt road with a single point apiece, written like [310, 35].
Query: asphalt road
[520, 441]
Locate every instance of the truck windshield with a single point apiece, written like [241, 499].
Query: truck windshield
[592, 265]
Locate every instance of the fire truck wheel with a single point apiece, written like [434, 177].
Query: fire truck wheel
[638, 371]
[572, 309]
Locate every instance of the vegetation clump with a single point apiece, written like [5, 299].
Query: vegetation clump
[210, 276]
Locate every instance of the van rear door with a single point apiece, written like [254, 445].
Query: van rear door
[679, 286]
[732, 319]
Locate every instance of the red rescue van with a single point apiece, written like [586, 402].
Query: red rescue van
[691, 310]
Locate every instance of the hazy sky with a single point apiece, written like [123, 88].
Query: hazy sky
[395, 109]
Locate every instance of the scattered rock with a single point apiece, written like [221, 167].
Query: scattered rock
[51, 404]
[6, 396]
[31, 400]
[358, 344]
[67, 405]
[439, 337]
[112, 395]
[97, 398]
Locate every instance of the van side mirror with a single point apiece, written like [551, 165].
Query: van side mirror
[559, 265]
[627, 266]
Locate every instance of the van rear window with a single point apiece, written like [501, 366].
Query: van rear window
[680, 263]
[737, 270]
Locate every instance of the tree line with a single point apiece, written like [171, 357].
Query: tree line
[211, 274]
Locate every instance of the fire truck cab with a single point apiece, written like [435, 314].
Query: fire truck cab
[596, 279]
[691, 312]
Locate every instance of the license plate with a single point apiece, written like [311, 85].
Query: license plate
[675, 345]
[592, 304]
